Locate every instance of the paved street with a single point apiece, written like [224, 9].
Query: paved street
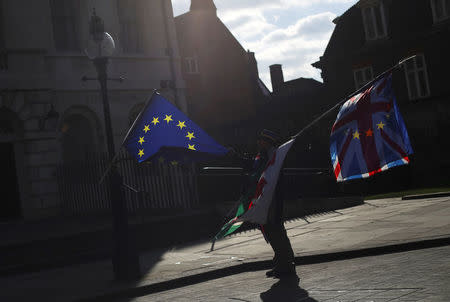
[421, 275]
[237, 263]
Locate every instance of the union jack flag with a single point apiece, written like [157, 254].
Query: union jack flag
[369, 135]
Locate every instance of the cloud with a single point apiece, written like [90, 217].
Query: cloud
[233, 5]
[225, 5]
[295, 46]
[311, 27]
[293, 33]
[247, 25]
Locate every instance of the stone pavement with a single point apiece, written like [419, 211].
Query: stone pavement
[420, 275]
[376, 227]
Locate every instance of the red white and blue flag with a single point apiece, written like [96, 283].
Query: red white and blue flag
[369, 135]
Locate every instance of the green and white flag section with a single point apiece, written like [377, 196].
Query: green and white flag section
[254, 204]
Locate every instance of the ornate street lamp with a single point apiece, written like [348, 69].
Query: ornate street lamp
[125, 257]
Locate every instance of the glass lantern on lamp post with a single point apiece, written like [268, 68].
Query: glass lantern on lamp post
[125, 257]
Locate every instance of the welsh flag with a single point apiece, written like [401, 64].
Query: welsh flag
[254, 204]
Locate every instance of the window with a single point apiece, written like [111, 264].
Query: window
[441, 9]
[374, 21]
[65, 24]
[3, 60]
[77, 138]
[417, 78]
[362, 76]
[130, 34]
[3, 52]
[191, 65]
[2, 37]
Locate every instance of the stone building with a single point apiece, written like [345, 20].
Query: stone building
[42, 61]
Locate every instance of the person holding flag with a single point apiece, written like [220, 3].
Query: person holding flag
[262, 202]
[274, 231]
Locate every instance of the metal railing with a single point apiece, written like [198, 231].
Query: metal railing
[146, 186]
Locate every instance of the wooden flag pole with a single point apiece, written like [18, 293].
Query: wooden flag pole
[110, 165]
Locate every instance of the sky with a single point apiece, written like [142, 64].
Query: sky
[293, 33]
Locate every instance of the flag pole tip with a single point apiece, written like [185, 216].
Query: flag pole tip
[406, 59]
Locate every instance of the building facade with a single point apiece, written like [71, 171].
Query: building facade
[223, 86]
[374, 35]
[42, 62]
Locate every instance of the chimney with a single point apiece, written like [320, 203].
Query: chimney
[203, 6]
[276, 75]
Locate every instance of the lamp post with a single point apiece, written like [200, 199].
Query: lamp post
[125, 258]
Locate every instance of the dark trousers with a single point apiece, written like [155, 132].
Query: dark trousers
[283, 259]
[276, 234]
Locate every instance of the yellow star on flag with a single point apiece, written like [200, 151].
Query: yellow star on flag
[356, 134]
[141, 152]
[191, 147]
[174, 163]
[190, 135]
[168, 118]
[388, 116]
[161, 159]
[380, 125]
[155, 120]
[146, 128]
[141, 140]
[181, 125]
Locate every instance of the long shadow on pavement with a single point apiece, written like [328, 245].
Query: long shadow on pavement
[286, 289]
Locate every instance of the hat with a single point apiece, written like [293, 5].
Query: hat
[269, 136]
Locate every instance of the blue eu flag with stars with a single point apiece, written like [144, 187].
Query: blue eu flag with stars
[162, 132]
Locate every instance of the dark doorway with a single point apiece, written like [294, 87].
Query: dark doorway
[78, 138]
[10, 198]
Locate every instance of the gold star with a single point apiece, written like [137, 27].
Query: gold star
[380, 125]
[174, 163]
[141, 140]
[141, 152]
[161, 159]
[155, 120]
[356, 134]
[181, 125]
[191, 147]
[190, 135]
[369, 132]
[146, 128]
[168, 118]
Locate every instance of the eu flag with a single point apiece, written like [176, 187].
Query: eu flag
[369, 135]
[163, 132]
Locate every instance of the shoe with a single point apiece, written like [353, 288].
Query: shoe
[270, 273]
[281, 273]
